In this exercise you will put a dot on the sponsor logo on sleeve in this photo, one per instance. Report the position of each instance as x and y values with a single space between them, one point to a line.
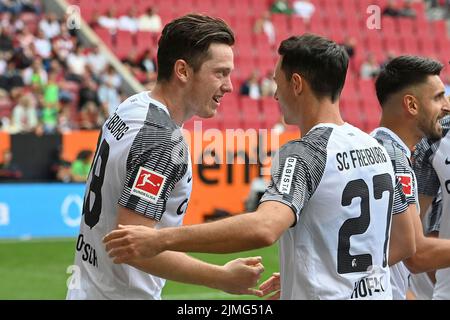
288 173
148 185
406 181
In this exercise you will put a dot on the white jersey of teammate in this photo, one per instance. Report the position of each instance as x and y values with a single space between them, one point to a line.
400 157
420 283
340 184
141 163
432 166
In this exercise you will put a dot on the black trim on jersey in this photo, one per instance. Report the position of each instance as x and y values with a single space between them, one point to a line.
311 155
401 164
153 148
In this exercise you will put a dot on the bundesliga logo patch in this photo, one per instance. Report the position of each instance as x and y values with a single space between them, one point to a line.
406 181
148 185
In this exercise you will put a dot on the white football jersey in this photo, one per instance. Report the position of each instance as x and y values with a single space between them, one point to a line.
340 184
400 157
142 163
421 284
432 166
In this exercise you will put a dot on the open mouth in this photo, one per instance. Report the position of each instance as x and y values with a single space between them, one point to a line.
217 99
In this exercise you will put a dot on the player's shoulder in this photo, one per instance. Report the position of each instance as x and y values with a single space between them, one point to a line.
393 147
315 140
153 114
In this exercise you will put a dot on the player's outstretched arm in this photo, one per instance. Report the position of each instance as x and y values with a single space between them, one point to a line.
237 276
431 253
238 233
402 244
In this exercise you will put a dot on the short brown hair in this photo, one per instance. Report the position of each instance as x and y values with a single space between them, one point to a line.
189 38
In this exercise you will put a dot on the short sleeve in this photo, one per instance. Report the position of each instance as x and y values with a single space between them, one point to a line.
426 175
297 170
158 159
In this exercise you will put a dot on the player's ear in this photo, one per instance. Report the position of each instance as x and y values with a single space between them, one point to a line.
181 70
410 104
297 83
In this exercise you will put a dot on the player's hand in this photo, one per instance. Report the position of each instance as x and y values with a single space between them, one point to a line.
271 285
131 242
241 275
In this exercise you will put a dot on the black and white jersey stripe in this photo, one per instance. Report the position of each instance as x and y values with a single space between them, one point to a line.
311 155
400 161
154 148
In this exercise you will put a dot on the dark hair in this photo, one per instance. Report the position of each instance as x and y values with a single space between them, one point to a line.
402 72
322 62
189 38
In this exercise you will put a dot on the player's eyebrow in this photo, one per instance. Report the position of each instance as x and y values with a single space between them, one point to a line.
440 94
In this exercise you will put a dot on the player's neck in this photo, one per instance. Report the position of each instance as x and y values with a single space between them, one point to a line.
168 96
403 129
323 111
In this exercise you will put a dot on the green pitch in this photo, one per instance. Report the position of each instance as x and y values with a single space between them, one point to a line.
37 269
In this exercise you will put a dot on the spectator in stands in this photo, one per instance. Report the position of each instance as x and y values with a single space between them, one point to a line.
250 87
51 89
49 117
96 60
108 91
281 6
129 22
349 45
90 117
150 21
65 118
11 78
63 44
369 68
407 10
6 44
264 24
11 23
109 21
61 168
88 92
81 166
9 171
42 46
147 63
25 37
24 116
391 9
35 76
304 9
76 62
50 26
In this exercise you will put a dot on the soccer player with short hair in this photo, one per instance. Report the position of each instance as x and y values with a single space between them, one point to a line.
141 174
330 200
412 98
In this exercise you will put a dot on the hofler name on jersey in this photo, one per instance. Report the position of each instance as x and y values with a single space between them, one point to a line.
361 158
117 126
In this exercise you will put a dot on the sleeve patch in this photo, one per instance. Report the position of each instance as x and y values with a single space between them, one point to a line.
406 181
148 185
288 174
